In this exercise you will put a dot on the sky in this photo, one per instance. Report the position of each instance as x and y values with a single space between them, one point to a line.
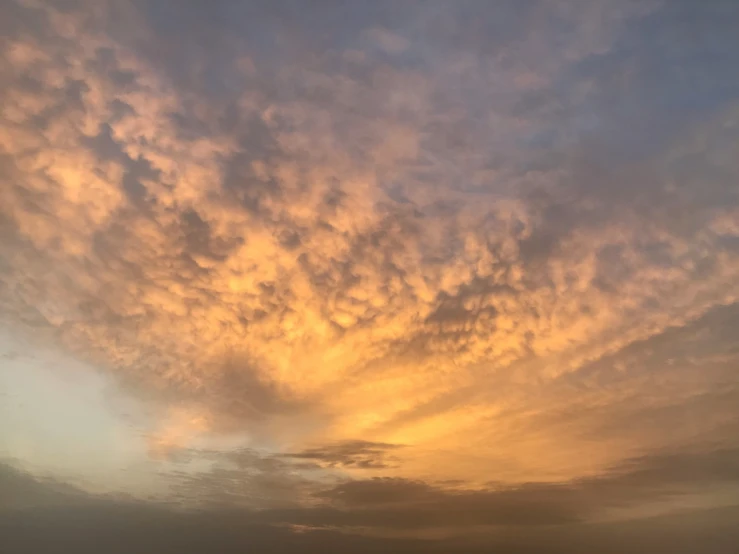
340 275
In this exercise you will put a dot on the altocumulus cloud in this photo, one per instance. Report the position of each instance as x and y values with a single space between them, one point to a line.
449 266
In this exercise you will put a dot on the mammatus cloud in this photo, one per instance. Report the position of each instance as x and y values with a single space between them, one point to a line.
414 265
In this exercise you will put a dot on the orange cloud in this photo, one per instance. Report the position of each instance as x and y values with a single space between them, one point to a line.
354 246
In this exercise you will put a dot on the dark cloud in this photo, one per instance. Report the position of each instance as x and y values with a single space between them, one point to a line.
200 240
399 503
21 491
151 531
127 528
123 526
386 504
136 171
350 454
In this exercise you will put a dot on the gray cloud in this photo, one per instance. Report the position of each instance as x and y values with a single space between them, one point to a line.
355 454
150 530
402 503
278 492
22 491
395 504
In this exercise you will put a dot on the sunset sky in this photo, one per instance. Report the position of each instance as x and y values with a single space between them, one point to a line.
369 276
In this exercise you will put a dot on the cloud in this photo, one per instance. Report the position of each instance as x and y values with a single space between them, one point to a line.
348 454
332 234
555 513
22 491
122 530
389 503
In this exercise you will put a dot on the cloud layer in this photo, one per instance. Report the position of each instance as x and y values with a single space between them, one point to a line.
426 251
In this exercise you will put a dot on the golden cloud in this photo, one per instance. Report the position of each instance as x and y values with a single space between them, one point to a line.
341 261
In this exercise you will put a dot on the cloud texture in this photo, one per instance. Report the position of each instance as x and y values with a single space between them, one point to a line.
417 253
